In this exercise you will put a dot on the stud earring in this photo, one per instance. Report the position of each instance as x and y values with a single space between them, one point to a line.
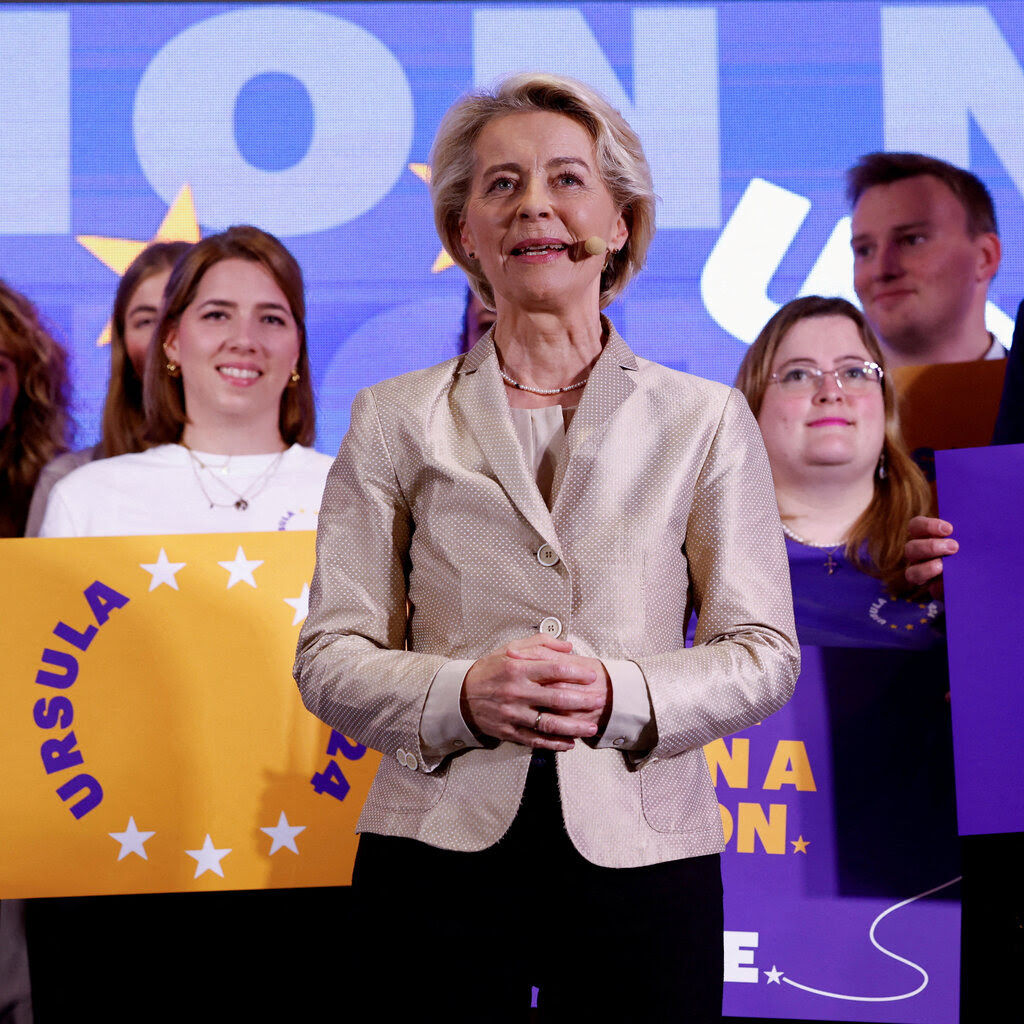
296 377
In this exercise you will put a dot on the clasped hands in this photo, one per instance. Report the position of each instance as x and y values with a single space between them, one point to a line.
536 692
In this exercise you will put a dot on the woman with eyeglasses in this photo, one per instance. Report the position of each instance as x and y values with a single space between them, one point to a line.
844 480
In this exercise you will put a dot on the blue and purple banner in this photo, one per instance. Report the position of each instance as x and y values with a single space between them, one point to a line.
841 871
981 492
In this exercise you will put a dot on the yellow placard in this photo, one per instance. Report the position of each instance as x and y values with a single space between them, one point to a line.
153 739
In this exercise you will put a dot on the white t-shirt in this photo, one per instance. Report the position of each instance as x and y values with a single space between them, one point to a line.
170 490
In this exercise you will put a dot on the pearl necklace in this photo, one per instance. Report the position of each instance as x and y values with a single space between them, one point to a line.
541 391
810 544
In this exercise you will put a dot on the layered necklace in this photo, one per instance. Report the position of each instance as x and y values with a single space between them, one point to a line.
216 475
831 548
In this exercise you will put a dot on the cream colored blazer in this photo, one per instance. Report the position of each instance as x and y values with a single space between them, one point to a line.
427 551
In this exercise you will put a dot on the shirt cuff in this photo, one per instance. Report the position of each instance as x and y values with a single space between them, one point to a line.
443 730
631 725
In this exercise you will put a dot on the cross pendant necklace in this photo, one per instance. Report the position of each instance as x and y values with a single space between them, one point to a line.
830 549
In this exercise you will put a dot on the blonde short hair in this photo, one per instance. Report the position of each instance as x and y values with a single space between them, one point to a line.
620 159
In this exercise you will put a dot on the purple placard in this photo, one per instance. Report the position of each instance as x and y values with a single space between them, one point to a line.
842 861
981 491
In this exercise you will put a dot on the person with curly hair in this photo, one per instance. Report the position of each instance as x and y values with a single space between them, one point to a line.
33 429
33 405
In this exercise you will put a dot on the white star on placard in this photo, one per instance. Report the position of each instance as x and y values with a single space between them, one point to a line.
208 859
162 571
241 569
773 975
132 840
283 835
300 604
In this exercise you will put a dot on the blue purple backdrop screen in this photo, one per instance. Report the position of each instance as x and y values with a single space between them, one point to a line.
305 119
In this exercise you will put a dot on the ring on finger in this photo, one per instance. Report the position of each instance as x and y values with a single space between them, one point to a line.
536 722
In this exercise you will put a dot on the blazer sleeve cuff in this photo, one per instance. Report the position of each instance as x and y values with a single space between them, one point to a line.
631 725
443 730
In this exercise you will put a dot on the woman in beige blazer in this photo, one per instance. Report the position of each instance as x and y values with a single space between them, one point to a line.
509 547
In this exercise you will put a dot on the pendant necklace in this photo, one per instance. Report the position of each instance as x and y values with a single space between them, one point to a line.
242 498
830 563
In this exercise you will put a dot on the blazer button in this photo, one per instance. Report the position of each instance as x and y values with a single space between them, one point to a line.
410 762
547 555
551 626
401 757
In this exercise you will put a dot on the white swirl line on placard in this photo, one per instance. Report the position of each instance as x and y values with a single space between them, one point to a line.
887 952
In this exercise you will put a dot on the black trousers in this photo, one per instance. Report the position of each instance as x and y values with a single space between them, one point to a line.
466 935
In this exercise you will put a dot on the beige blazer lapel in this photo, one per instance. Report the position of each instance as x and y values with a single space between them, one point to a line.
479 398
612 381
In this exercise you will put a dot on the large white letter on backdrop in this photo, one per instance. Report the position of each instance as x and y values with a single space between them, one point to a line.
941 67
675 88
362 118
35 123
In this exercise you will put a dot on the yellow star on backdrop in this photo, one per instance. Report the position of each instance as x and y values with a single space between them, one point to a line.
800 844
179 225
443 261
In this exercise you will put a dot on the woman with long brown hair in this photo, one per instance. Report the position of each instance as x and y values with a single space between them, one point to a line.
844 480
229 418
228 401
136 312
136 309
